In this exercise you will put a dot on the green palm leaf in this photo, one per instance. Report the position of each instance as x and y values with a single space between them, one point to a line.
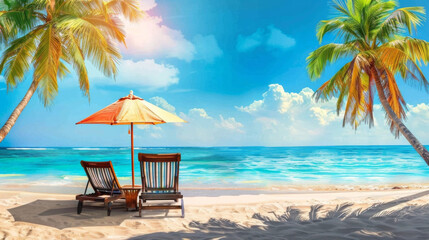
16 59
46 63
320 58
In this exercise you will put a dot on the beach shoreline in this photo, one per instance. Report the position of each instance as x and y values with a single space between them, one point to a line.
233 190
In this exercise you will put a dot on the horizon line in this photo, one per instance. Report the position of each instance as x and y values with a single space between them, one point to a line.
350 145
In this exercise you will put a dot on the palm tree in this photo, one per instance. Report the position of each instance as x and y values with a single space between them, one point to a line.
52 36
376 38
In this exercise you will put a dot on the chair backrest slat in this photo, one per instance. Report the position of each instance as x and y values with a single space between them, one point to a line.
102 176
160 172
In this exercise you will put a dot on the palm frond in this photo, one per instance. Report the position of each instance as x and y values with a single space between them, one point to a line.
77 59
46 63
22 15
394 98
326 54
7 30
16 59
127 8
113 28
392 57
404 55
411 71
78 7
62 70
356 102
416 49
401 19
338 84
340 26
93 42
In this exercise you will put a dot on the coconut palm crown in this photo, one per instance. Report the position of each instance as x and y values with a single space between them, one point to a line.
376 38
50 37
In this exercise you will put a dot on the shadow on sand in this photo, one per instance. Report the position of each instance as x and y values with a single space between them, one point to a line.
342 222
62 214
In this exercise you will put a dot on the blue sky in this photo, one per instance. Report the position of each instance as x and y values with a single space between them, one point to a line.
235 70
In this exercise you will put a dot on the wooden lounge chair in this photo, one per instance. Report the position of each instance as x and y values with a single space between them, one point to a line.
160 180
104 182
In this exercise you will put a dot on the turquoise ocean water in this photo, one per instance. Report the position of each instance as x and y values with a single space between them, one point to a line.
226 166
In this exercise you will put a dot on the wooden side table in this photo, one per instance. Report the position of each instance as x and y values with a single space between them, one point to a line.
131 195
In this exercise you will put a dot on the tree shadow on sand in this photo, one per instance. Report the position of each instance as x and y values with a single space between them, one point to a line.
343 222
62 214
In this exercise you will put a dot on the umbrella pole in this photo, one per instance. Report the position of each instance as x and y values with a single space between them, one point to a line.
132 152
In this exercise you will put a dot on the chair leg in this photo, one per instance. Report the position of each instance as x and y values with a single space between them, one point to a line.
109 208
183 208
79 206
140 207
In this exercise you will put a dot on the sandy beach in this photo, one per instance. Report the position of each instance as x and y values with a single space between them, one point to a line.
390 214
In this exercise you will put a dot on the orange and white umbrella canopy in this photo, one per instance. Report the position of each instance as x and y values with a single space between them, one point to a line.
131 110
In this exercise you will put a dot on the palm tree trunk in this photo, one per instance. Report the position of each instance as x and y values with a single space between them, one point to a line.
398 123
15 114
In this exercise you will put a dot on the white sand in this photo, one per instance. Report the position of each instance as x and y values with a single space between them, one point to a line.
399 214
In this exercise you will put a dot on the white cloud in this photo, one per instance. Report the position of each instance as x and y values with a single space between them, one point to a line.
149 127
230 124
150 38
247 43
147 5
325 116
270 37
206 48
201 130
277 39
200 112
419 110
142 127
162 103
276 99
269 124
204 130
144 74
287 118
418 117
153 131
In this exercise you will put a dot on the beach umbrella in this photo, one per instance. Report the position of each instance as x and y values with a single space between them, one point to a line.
131 110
